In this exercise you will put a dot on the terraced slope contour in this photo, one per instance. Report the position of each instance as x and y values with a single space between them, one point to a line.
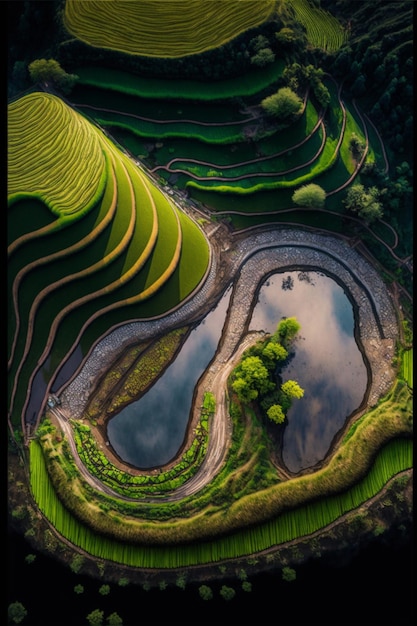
163 29
74 278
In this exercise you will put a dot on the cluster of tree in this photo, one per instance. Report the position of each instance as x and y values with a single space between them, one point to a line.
287 104
257 376
364 201
33 30
50 71
396 196
262 52
300 77
377 64
96 618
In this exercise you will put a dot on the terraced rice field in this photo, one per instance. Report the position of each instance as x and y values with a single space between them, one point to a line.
35 147
131 244
322 29
233 156
163 29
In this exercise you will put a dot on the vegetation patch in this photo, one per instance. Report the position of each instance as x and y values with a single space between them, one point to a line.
171 29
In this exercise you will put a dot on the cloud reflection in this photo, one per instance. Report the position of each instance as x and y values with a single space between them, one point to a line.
327 363
149 432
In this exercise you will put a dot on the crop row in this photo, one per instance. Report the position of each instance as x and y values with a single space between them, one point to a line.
323 29
407 367
42 135
128 256
293 524
169 29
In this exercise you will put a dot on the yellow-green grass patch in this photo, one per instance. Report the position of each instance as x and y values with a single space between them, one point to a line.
54 154
323 29
163 29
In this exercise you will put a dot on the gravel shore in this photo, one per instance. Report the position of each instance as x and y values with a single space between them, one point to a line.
249 260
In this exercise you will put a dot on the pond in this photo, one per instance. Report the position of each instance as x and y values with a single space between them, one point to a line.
149 433
327 362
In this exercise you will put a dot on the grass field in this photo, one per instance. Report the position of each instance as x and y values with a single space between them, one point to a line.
163 29
93 242
132 245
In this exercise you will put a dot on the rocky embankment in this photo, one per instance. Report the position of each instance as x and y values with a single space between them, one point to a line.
246 262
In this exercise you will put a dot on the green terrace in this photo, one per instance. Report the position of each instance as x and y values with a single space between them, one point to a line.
243 517
132 245
169 29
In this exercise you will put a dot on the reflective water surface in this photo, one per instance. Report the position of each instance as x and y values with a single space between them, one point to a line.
327 362
149 433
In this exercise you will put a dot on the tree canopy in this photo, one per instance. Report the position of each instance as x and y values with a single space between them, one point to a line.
49 70
310 195
16 612
365 202
284 104
287 330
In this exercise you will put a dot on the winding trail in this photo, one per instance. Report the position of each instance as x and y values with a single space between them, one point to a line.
252 258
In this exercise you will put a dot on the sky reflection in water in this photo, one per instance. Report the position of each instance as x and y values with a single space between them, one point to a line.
149 432
327 363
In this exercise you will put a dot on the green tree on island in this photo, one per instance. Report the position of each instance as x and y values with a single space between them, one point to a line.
287 330
255 377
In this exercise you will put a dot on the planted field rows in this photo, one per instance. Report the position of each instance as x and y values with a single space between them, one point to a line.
42 133
163 29
407 367
392 459
230 157
58 289
323 29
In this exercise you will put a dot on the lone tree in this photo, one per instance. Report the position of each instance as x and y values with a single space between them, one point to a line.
205 592
95 618
16 612
311 195
50 71
364 202
284 104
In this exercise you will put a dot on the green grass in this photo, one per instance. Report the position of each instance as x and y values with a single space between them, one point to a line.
135 244
407 367
110 80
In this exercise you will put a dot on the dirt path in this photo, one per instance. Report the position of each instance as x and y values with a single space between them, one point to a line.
250 259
